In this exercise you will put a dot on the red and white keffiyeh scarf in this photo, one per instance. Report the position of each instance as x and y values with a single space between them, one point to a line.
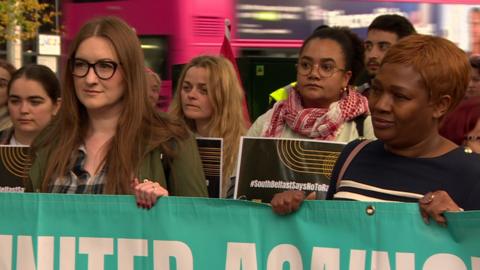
314 123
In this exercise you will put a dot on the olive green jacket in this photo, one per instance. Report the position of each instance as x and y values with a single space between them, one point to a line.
185 171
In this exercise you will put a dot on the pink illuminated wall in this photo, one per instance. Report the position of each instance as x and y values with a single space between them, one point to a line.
161 17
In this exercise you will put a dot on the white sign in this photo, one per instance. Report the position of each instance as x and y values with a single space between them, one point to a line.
49 44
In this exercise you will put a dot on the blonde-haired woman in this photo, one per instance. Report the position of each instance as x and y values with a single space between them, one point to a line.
209 99
107 135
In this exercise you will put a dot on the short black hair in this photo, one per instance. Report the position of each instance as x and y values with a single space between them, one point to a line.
393 23
475 62
321 27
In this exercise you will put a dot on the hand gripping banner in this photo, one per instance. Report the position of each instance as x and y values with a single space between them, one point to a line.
67 232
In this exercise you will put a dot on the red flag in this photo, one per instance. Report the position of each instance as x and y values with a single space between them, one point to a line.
227 52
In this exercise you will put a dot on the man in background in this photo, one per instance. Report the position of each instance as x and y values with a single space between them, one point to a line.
383 32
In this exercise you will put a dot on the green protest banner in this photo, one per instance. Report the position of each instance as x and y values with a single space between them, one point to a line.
47 231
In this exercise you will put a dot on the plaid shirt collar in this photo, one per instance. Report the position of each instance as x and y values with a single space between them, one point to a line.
78 180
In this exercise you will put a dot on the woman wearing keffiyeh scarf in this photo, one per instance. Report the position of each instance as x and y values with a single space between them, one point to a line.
321 105
315 123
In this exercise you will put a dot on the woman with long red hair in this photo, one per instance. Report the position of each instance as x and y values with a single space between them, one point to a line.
107 138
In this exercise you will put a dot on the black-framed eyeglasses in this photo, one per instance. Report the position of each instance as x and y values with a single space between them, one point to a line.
104 69
325 69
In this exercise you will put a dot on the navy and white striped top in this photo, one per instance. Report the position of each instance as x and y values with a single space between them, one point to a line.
378 175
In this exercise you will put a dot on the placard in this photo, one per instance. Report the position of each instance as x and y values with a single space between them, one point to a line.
211 153
272 165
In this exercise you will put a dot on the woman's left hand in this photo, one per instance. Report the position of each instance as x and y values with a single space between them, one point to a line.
147 192
434 204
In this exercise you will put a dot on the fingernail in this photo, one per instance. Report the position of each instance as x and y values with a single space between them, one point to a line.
425 220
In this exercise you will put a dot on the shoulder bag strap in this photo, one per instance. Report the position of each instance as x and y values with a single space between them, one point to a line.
349 159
